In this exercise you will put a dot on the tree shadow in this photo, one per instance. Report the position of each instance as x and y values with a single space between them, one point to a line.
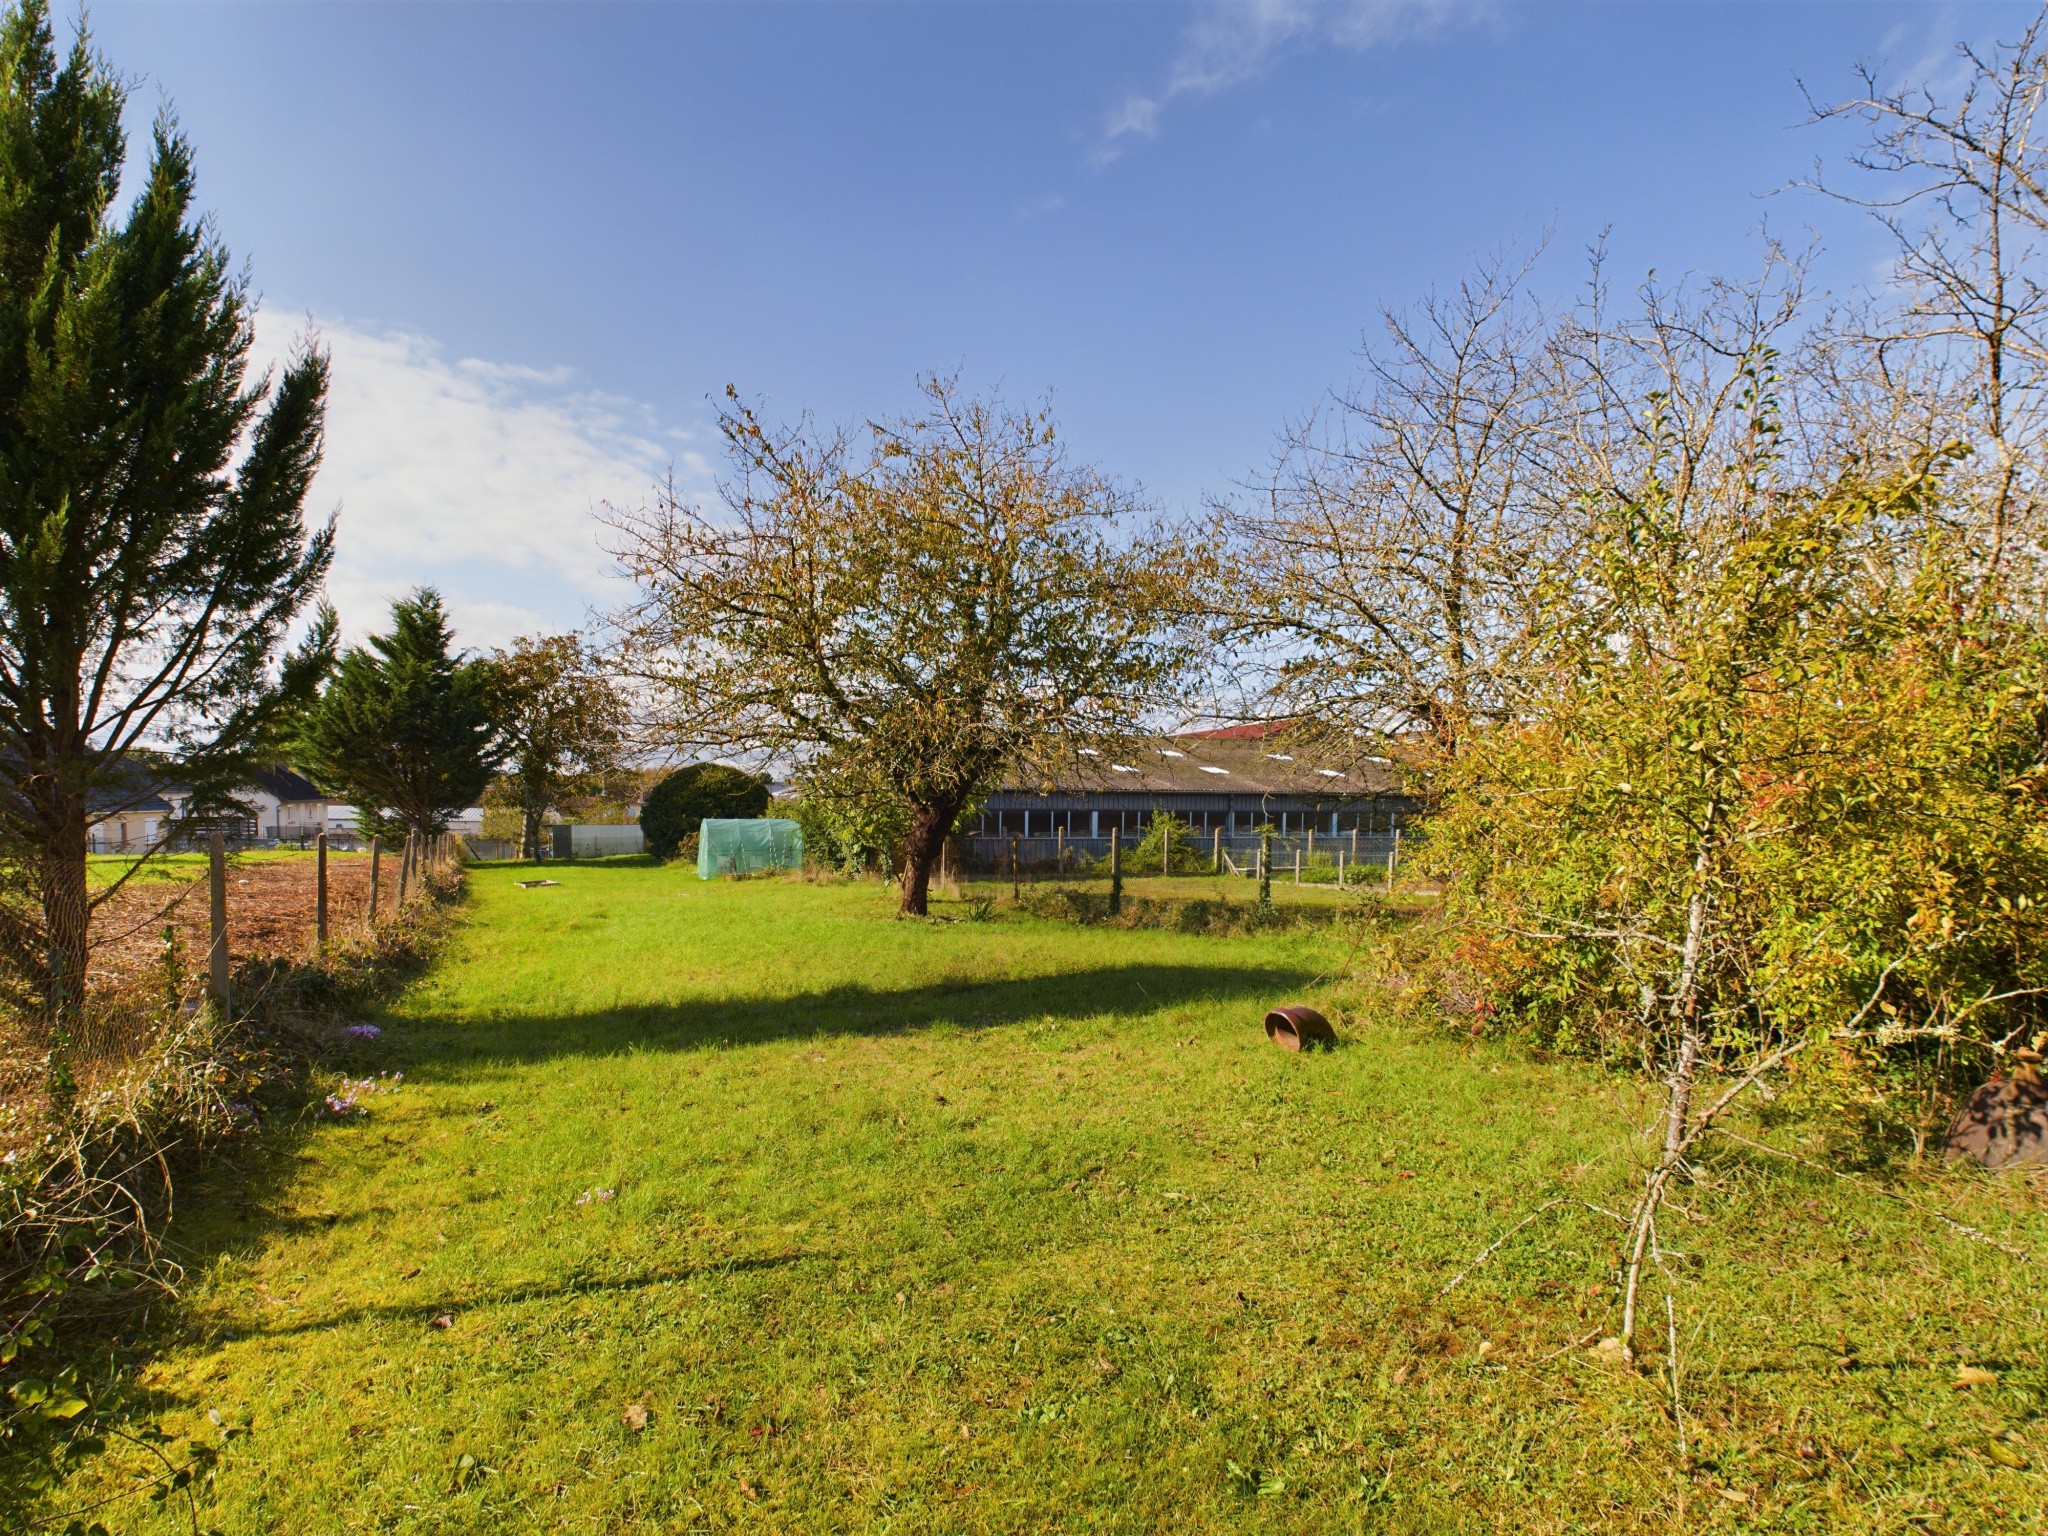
454 1307
428 1047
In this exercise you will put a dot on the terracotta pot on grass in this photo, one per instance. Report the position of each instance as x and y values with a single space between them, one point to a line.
1296 1028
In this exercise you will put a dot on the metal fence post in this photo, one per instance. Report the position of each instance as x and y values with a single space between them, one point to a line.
1216 858
1116 870
1393 858
1340 869
217 925
1016 879
376 859
320 891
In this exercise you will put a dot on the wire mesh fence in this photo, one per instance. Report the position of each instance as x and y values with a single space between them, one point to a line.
1315 859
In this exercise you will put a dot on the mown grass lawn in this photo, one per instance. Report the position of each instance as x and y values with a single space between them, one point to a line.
721 1206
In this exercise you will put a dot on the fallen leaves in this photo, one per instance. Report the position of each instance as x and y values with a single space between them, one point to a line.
1969 1377
636 1417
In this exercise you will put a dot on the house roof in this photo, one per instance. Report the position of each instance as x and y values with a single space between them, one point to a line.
133 788
285 786
1219 763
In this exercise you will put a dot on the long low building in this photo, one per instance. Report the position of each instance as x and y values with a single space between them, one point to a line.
1232 782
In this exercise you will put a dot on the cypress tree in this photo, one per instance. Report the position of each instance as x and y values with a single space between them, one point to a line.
153 550
405 731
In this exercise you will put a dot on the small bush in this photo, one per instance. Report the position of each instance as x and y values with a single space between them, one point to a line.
678 805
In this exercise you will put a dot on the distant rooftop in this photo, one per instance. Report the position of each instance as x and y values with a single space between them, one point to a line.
1236 760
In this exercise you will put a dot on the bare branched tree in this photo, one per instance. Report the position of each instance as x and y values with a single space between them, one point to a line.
1960 180
1382 579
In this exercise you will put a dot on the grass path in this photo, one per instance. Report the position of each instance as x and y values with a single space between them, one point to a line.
1016 1226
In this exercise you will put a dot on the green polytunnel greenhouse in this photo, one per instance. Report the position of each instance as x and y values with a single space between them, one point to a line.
731 846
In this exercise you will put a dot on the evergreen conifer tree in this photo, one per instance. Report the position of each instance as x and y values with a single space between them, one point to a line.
153 550
405 731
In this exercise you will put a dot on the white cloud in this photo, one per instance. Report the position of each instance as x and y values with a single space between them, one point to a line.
1232 41
479 478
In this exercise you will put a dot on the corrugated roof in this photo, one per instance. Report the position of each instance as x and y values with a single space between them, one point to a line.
1206 763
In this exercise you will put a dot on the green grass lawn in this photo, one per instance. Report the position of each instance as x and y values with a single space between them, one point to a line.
1018 1226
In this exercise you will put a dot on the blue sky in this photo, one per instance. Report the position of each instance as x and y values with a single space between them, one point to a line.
538 237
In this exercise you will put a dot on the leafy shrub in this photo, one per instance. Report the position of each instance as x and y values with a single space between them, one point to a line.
1192 851
679 804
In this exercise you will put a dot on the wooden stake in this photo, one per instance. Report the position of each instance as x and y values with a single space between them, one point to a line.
1116 870
376 860
1218 856
217 936
320 891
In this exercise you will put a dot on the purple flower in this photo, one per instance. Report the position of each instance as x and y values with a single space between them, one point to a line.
362 1031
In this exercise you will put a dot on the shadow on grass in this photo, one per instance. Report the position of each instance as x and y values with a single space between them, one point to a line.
1124 991
456 1307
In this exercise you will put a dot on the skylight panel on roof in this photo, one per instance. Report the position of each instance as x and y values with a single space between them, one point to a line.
1087 751
1210 768
1329 773
1280 757
1123 767
1169 752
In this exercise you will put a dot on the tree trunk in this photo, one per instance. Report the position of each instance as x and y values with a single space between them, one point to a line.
529 836
1685 1004
930 825
66 912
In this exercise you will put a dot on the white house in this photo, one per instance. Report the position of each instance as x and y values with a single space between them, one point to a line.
282 806
134 828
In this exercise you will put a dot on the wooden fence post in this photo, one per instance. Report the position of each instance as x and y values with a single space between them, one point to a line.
1059 838
1116 870
1165 847
1297 866
1016 880
1216 858
1266 866
1393 858
320 892
405 870
1340 869
217 925
376 858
